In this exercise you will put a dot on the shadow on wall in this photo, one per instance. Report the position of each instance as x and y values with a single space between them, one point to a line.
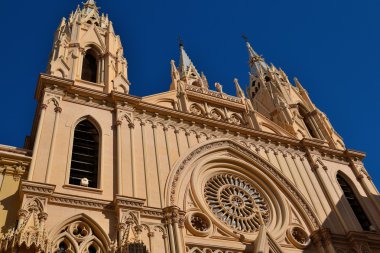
10 206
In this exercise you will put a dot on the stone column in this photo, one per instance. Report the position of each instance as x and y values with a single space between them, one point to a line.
131 134
174 218
119 154
37 141
58 111
21 217
317 241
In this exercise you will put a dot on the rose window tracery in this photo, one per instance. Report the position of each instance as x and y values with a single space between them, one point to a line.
236 202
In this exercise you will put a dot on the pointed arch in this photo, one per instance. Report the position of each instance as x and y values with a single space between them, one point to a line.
350 194
308 122
35 202
238 157
100 236
85 154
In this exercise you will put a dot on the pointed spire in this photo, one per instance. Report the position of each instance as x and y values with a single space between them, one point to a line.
299 86
256 62
184 59
89 6
62 24
204 79
175 74
239 91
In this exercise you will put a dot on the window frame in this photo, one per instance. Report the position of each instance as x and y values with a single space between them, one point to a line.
354 190
67 184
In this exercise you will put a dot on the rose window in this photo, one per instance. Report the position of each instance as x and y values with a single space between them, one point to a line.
236 202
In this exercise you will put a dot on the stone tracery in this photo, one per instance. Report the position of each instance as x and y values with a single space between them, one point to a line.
236 202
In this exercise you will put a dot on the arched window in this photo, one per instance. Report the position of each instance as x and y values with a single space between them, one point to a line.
306 119
90 67
354 203
85 155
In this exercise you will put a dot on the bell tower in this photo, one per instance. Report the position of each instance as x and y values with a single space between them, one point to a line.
287 105
87 51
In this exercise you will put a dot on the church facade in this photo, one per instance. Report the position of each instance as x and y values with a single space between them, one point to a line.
190 170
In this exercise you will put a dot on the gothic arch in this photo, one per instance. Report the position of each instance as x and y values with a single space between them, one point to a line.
94 46
98 127
367 221
211 150
98 235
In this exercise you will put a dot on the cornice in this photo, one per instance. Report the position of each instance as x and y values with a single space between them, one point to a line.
115 99
15 153
83 202
128 202
36 188
215 100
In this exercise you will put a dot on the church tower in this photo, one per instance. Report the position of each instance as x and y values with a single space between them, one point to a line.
289 106
190 170
87 51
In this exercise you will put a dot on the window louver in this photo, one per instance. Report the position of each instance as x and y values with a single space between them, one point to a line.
84 160
354 203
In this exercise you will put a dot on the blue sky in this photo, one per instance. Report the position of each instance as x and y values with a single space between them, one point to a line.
331 46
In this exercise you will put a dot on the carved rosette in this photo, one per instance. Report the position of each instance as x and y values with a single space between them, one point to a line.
198 223
298 237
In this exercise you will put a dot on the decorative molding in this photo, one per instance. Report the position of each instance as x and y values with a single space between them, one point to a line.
35 188
128 202
84 202
237 148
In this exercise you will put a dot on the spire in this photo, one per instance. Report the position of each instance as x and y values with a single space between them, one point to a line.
184 60
256 62
298 84
239 91
89 6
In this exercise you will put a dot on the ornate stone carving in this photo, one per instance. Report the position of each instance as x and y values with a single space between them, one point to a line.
236 203
259 161
298 237
195 109
198 223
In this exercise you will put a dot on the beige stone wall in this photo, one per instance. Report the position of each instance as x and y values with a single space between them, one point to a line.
153 145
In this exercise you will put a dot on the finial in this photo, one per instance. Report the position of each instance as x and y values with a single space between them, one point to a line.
245 38
180 41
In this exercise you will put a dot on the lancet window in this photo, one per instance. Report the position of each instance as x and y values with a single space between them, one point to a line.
354 203
308 122
85 155
90 66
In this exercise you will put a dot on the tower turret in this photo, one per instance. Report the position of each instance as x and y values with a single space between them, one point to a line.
87 51
287 105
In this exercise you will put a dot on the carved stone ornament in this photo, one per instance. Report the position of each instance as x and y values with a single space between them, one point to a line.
257 160
194 109
298 237
216 115
198 223
235 120
236 202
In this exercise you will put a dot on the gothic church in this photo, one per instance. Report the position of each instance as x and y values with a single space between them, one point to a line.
190 170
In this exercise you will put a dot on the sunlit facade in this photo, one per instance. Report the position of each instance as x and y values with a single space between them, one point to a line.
190 170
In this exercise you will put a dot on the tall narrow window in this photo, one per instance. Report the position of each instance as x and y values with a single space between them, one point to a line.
354 203
306 119
90 67
85 155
